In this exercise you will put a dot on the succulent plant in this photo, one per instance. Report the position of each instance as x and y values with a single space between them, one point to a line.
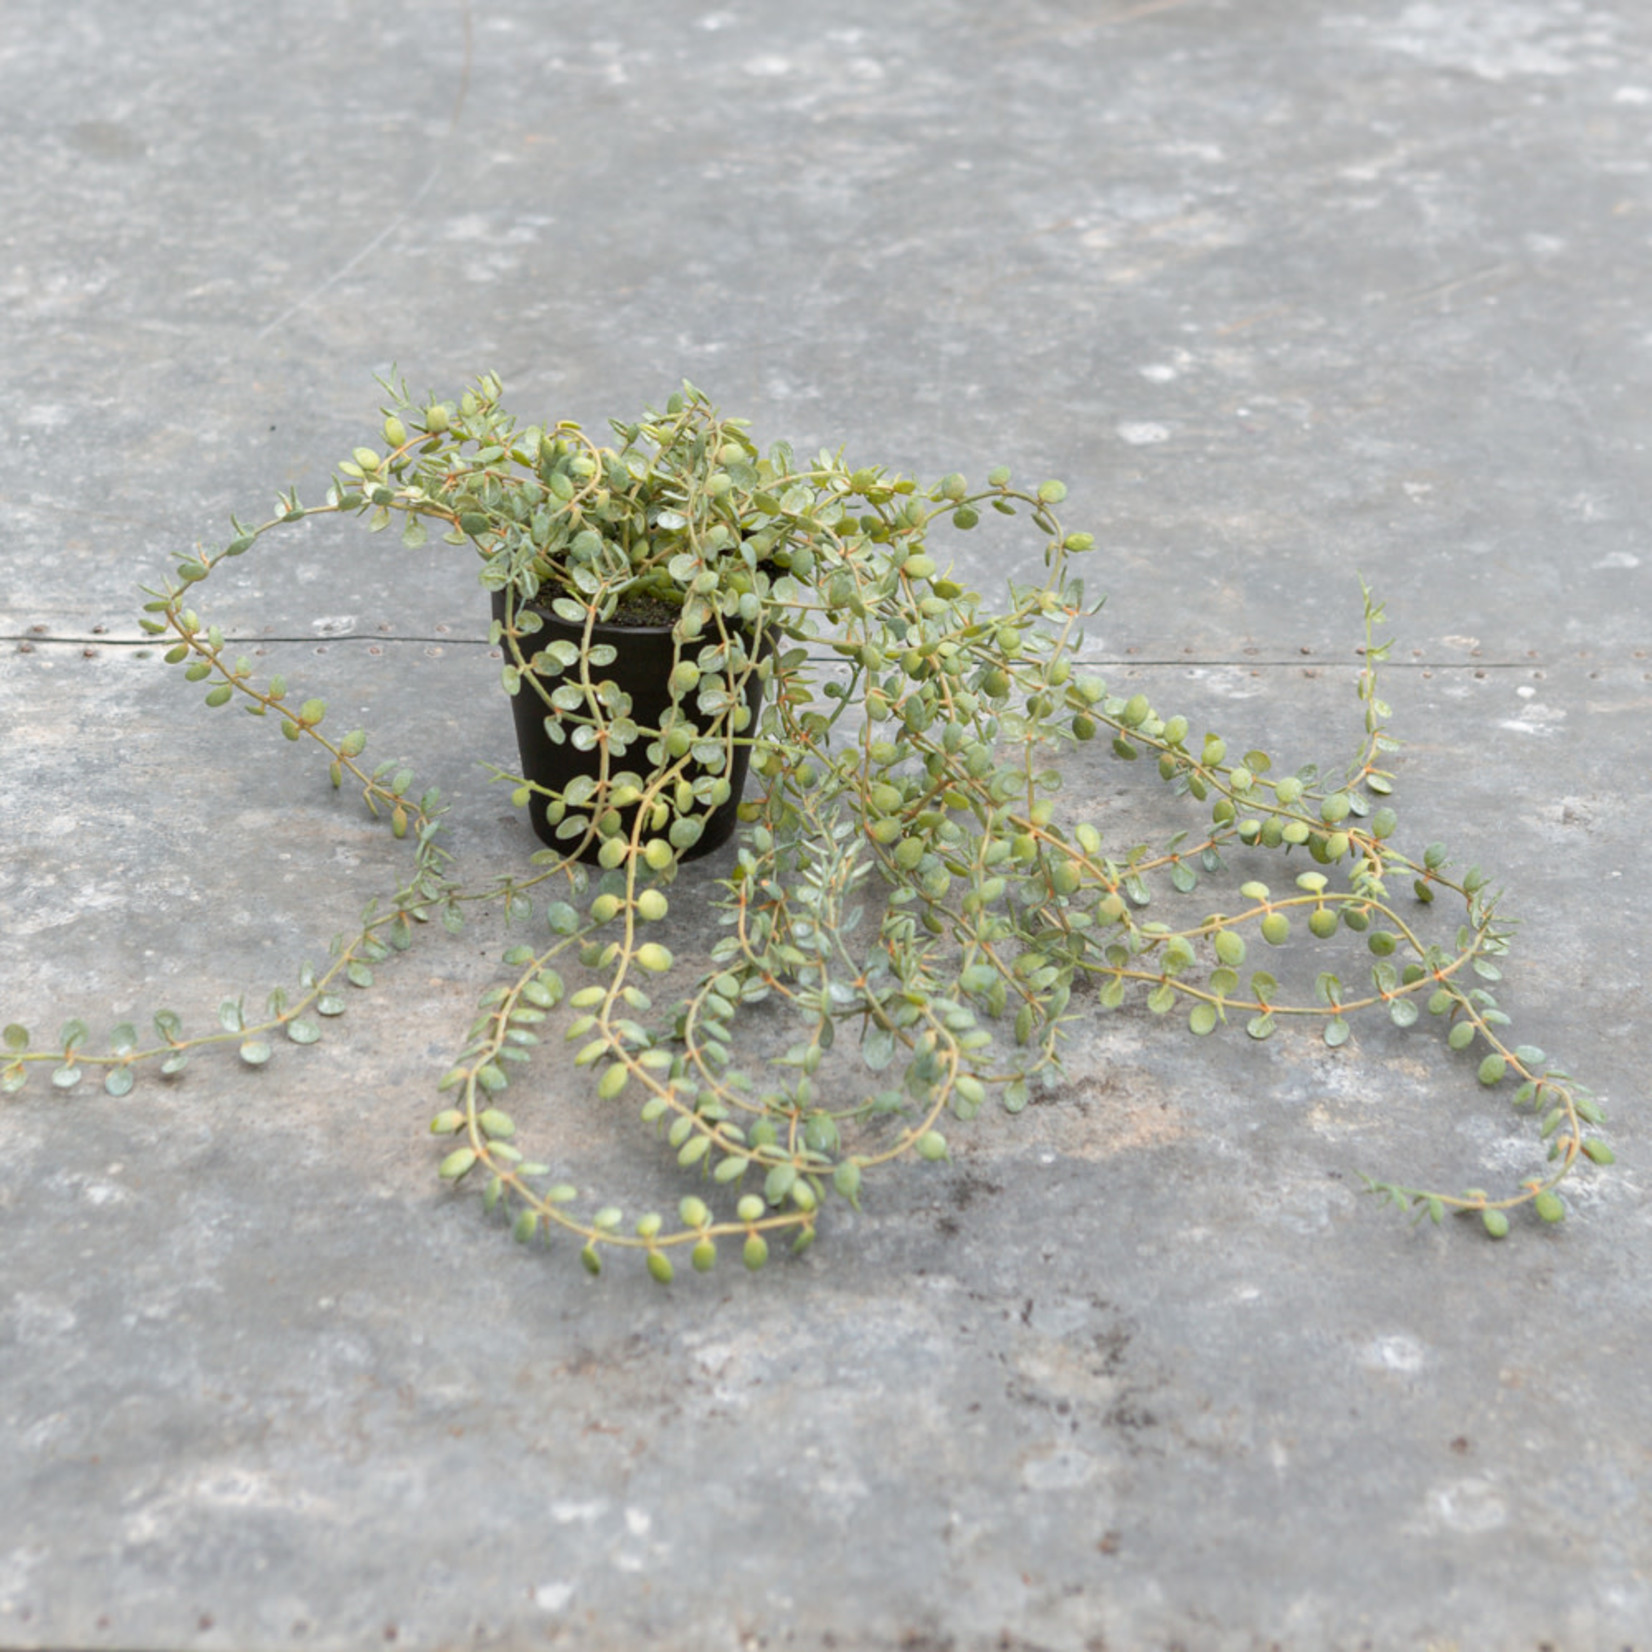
905 879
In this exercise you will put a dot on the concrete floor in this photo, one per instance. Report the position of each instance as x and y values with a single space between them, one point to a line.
1287 291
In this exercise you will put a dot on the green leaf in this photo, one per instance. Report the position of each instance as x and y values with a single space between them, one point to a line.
877 1049
16 1037
255 1052
118 1081
1337 1032
456 1164
1202 1019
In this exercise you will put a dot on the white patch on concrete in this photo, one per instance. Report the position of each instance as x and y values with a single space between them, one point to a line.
222 1488
1143 434
1619 559
333 625
1160 372
1469 1505
1633 94
1062 1468
1535 718
552 1597
471 226
1492 39
638 1521
40 1319
15 1568
566 1513
1397 1353
769 66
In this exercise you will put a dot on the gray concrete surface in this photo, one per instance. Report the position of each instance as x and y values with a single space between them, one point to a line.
1285 290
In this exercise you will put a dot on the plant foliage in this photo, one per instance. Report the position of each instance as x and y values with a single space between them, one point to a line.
904 880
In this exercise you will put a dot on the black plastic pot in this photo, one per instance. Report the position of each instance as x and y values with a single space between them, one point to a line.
642 669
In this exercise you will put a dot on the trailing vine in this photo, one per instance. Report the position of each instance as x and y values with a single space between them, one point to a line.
903 878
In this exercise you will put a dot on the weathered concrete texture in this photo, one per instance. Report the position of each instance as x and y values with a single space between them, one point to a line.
1287 292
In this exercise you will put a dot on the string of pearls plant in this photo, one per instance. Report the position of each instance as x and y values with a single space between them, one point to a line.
903 878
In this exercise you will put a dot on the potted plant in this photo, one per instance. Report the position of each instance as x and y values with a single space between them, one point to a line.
903 880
